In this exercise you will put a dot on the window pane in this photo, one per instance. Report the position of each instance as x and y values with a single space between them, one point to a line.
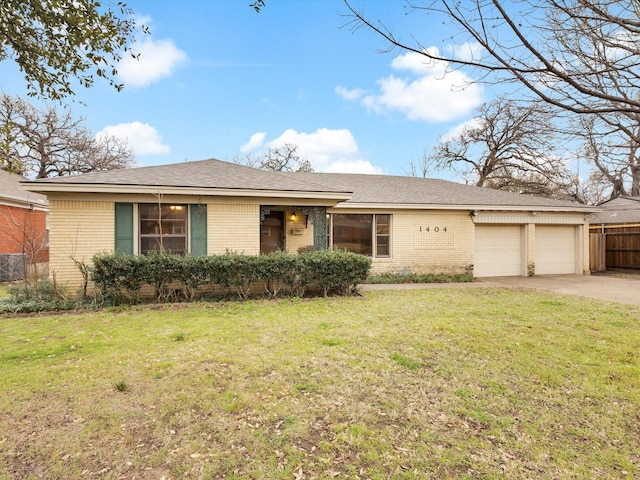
163 228
382 224
353 233
383 231
382 246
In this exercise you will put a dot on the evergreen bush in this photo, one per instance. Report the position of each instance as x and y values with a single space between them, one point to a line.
119 278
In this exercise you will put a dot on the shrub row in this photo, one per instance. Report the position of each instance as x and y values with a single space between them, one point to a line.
392 278
120 278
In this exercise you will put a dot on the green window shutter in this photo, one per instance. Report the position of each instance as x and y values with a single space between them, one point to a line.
124 228
198 226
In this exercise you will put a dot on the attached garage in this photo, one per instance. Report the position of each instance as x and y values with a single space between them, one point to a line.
556 251
499 251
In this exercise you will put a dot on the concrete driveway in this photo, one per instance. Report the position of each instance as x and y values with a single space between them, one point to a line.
612 287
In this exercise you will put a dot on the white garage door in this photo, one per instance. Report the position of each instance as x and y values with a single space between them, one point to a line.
498 251
555 249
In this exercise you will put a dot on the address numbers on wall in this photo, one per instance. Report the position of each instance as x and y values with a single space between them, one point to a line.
436 229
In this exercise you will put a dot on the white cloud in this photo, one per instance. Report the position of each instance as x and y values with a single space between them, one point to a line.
467 51
460 128
328 150
420 64
157 60
353 166
255 142
432 92
347 94
142 138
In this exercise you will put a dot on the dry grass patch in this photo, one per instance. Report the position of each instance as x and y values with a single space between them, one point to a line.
445 383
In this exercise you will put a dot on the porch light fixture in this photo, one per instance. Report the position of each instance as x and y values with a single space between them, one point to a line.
293 217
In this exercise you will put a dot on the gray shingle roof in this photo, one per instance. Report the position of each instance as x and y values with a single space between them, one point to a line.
427 191
367 189
210 173
11 190
619 210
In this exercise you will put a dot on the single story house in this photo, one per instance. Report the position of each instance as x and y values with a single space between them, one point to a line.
615 234
405 224
23 228
619 212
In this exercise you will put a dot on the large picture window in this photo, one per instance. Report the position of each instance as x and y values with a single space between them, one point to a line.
366 234
163 228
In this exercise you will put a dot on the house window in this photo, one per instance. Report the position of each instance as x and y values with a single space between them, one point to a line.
366 234
383 235
163 228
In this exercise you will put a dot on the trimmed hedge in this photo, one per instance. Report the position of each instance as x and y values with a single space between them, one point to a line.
393 278
119 277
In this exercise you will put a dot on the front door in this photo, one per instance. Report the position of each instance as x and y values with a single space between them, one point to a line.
272 232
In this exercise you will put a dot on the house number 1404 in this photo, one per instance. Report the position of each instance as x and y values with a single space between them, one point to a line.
433 229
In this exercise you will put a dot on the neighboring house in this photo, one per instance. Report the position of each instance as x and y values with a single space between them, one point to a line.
405 224
615 234
616 213
23 229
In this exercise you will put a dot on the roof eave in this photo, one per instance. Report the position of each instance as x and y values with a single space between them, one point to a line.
44 188
22 201
434 206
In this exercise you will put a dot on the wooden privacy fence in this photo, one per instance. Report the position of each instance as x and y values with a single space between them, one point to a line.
617 247
597 252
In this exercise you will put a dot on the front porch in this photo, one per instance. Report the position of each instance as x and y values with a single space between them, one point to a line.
288 228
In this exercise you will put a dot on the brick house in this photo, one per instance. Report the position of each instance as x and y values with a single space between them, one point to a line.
23 229
405 224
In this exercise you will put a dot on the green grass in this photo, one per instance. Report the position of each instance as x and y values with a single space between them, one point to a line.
444 383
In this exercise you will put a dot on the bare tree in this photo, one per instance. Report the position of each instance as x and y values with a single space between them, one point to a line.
579 55
277 159
246 158
51 142
611 144
285 159
508 146
424 167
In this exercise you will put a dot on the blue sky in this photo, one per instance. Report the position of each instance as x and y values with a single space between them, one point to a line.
218 80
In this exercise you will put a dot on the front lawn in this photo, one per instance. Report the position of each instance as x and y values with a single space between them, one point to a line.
474 383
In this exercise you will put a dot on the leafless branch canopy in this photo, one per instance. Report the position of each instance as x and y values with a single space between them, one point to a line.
510 147
277 159
582 56
51 142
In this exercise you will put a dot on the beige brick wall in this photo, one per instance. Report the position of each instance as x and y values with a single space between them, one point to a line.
302 238
234 227
429 242
78 230
530 231
584 231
